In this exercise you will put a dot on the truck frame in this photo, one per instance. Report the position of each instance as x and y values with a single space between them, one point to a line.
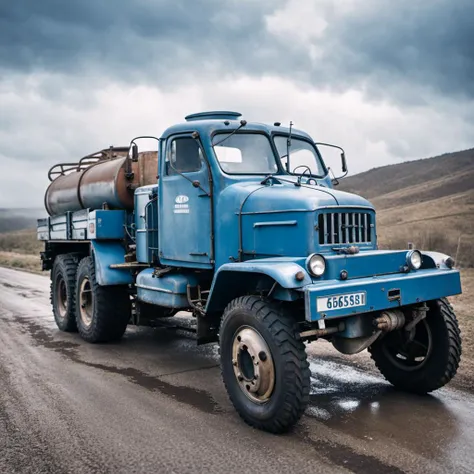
242 227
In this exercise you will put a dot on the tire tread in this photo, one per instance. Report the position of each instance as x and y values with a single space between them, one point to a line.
439 376
296 373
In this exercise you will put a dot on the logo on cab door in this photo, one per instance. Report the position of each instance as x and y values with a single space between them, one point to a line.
181 199
181 205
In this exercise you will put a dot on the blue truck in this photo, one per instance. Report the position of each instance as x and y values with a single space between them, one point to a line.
240 225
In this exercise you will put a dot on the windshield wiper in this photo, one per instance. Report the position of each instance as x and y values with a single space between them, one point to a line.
242 124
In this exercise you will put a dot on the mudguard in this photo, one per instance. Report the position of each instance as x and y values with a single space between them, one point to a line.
232 276
106 254
434 260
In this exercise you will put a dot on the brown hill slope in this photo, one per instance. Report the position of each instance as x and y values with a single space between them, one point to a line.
429 202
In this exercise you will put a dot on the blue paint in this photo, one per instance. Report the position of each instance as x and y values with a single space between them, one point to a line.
106 225
239 234
185 212
282 270
146 222
169 291
106 254
415 287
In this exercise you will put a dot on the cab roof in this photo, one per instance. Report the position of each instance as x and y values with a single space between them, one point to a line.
207 123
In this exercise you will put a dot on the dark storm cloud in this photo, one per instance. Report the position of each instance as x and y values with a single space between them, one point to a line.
159 41
427 43
381 47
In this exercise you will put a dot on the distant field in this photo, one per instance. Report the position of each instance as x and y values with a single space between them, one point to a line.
20 250
19 219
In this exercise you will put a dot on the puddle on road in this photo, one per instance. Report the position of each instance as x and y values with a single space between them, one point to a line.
24 292
365 406
197 398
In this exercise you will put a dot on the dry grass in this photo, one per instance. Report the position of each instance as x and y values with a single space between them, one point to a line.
20 261
23 241
21 250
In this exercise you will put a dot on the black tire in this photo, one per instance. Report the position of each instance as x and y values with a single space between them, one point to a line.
289 396
102 312
63 281
442 361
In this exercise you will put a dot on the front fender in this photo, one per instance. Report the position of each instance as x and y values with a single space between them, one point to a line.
236 279
434 260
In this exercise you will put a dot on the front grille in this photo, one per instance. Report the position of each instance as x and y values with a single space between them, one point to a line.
345 228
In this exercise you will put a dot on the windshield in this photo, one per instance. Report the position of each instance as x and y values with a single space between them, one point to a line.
302 156
244 153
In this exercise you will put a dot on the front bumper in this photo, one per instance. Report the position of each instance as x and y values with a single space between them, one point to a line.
411 288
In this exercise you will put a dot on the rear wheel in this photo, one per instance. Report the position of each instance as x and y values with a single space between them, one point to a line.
264 365
102 312
63 278
427 358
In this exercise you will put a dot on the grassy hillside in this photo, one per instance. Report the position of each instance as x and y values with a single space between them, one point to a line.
18 245
428 202
18 219
21 250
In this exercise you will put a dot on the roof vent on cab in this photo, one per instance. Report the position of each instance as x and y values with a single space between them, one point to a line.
213 115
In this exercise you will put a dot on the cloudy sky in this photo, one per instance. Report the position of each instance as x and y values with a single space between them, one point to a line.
388 80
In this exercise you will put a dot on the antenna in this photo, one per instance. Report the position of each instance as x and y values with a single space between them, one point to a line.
288 145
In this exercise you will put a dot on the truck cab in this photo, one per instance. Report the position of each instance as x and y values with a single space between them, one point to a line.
244 229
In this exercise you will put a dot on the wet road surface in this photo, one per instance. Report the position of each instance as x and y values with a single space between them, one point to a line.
154 402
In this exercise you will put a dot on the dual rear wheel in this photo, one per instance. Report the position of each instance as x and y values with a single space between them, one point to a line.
99 313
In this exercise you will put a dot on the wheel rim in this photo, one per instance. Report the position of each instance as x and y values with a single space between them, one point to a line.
410 351
61 297
253 365
85 302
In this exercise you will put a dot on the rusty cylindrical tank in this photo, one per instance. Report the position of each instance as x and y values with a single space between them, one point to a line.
108 179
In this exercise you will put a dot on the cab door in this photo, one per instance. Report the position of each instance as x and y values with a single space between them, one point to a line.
185 204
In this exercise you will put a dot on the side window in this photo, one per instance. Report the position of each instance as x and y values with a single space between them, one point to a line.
183 155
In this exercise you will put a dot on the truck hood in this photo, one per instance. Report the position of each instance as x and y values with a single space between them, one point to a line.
253 197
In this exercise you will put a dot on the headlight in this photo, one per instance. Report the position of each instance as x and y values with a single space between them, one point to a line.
316 265
414 259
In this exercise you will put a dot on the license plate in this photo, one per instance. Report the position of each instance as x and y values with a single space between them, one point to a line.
350 300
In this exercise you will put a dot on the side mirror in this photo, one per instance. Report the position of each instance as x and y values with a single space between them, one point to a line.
344 162
134 152
328 159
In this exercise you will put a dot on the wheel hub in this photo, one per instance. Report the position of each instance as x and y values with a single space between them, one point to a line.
410 350
85 302
61 297
253 365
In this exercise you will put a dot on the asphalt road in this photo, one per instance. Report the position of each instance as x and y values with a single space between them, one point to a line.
154 402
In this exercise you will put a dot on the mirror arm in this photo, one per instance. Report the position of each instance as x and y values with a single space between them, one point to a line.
343 158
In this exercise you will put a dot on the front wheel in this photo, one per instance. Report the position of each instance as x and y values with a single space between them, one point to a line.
264 365
102 312
426 359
